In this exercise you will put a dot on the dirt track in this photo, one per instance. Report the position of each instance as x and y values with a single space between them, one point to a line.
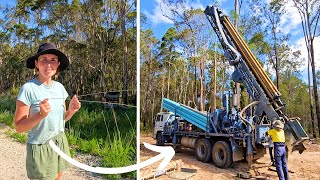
304 166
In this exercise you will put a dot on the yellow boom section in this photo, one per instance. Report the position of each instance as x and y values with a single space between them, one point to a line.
255 67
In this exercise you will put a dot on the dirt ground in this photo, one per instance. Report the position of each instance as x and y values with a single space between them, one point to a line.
304 166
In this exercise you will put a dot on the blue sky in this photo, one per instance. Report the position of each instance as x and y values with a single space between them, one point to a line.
2 2
153 9
290 24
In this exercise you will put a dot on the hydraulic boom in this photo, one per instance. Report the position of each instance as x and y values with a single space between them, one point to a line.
249 72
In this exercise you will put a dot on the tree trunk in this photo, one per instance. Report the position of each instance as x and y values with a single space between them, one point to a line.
315 87
185 83
195 95
168 86
145 104
102 84
162 93
153 104
201 83
125 52
311 104
186 86
214 92
237 10
276 56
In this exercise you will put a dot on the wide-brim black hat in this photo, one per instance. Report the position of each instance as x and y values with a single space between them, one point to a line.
49 48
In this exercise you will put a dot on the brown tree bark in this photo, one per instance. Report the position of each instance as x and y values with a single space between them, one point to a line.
122 12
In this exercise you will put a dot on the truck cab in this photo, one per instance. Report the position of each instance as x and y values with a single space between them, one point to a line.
162 120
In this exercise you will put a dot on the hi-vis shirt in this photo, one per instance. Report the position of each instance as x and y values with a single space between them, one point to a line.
31 94
277 136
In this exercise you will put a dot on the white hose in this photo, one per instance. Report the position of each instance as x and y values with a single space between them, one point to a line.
224 36
244 109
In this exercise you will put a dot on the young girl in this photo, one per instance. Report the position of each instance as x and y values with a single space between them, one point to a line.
41 110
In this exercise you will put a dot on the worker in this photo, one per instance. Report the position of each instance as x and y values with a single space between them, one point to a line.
270 151
278 138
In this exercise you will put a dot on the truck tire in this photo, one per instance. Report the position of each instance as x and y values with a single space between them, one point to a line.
203 150
160 140
222 154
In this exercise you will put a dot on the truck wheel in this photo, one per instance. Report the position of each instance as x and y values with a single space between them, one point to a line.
203 150
222 154
160 141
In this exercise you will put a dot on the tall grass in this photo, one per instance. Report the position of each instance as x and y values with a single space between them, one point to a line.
7 108
7 104
7 118
110 134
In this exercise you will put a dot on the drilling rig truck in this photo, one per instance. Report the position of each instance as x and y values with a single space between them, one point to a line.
229 134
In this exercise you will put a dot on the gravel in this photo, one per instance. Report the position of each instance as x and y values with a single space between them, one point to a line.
13 155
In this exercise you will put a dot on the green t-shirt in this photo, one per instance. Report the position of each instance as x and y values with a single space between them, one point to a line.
31 94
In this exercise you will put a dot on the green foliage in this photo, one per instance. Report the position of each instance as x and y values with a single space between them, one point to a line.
14 92
7 118
20 137
90 146
73 137
109 134
7 104
72 152
118 153
295 94
87 31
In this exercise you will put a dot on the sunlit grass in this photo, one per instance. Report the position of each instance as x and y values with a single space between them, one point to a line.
20 137
110 134
7 118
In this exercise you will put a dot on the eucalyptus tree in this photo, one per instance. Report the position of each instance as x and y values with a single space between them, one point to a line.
168 54
194 32
309 11
271 14
121 13
89 32
149 81
237 6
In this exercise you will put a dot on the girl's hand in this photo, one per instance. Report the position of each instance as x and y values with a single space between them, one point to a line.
74 104
44 107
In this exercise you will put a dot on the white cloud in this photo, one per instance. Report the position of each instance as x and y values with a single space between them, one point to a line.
300 45
196 5
161 9
291 19
156 17
290 23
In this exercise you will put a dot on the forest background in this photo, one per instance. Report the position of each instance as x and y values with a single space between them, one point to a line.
181 56
99 37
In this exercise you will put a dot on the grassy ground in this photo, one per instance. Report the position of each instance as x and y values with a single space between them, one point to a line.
107 133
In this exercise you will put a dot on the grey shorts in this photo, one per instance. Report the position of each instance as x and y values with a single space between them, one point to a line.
43 162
